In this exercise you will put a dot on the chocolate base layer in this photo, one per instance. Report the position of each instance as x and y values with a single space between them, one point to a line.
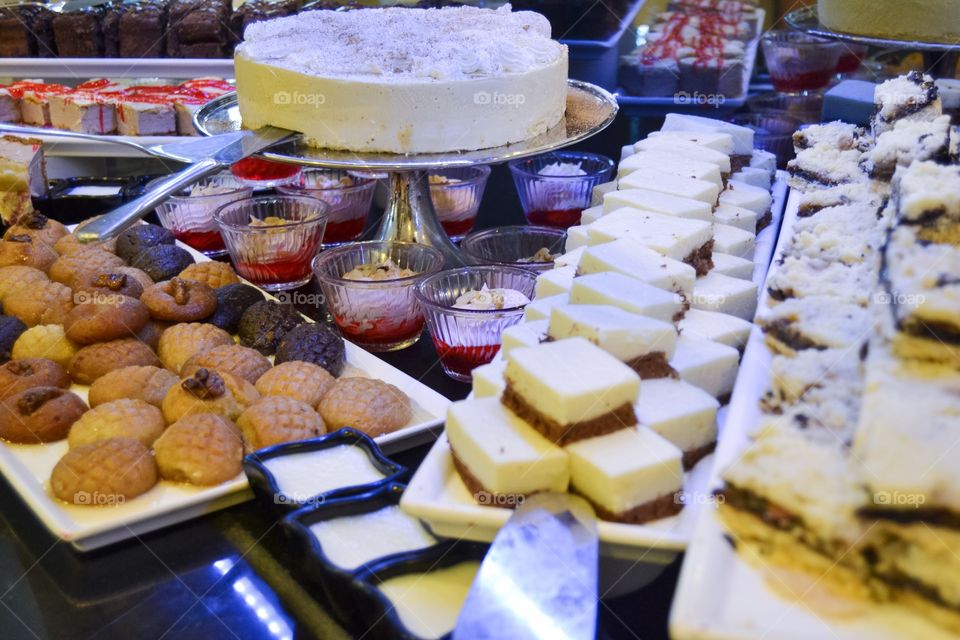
764 221
662 507
701 259
938 516
738 162
653 365
813 178
946 332
782 332
622 417
476 488
693 456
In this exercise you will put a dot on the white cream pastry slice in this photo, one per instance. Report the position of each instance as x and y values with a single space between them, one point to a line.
488 379
539 308
524 334
734 241
631 259
740 194
631 295
722 142
686 186
658 203
626 151
494 451
571 389
631 476
732 266
592 214
753 176
570 258
686 149
555 282
736 217
601 190
710 366
681 413
577 236
764 160
670 163
716 327
717 292
638 341
742 136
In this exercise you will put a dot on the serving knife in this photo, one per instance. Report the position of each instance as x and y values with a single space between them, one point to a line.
539 579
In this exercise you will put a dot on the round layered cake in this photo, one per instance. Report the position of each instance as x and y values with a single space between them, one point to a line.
920 20
404 80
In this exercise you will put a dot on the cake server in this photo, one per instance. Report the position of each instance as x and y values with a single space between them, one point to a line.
539 579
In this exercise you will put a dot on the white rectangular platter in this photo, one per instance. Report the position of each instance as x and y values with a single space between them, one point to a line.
28 468
720 596
438 496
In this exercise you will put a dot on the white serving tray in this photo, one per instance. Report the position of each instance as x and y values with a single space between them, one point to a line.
28 468
88 68
438 496
720 596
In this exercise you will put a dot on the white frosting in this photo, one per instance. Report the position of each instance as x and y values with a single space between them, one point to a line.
487 299
562 169
351 541
302 476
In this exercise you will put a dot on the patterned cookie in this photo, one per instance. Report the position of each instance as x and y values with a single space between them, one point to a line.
40 303
40 414
182 341
276 420
67 269
96 360
301 381
203 449
45 341
104 473
106 317
126 418
22 250
27 373
368 405
17 277
208 392
39 227
103 285
69 244
180 300
242 362
213 274
149 384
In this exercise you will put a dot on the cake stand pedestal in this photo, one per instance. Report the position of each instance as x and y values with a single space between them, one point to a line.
410 216
939 59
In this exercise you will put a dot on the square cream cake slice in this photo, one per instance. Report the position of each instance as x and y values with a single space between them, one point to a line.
717 292
740 194
734 241
570 258
681 413
685 149
658 203
524 334
666 182
554 282
577 237
495 452
631 476
732 266
711 366
670 163
682 239
593 213
631 259
539 308
571 389
487 379
722 142
629 294
736 217
716 327
640 342
600 190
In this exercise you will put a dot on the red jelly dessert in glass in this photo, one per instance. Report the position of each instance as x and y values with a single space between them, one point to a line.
264 172
560 218
462 360
202 241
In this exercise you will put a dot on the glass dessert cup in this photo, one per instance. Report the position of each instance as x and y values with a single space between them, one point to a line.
189 213
348 195
514 246
273 240
558 200
264 174
456 194
799 62
378 315
467 338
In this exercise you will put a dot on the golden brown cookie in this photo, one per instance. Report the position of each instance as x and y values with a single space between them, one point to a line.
40 303
242 362
208 391
303 381
125 418
151 332
105 317
212 273
180 300
149 384
39 227
27 373
40 414
95 360
276 420
203 449
45 341
69 244
139 275
70 268
371 406
105 473
106 284
182 341
22 250
17 277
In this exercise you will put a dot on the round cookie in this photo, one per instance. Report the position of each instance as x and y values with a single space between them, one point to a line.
181 342
95 360
18 277
212 273
22 250
149 384
163 262
316 343
277 420
106 284
242 362
39 227
141 237
208 392
41 303
371 406
203 449
68 269
264 324
20 375
301 381
152 331
40 414
10 331
125 418
179 300
232 301
45 341
105 318
70 244
105 473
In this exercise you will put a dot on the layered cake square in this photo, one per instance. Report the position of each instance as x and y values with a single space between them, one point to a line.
732 266
816 322
717 292
675 164
681 413
717 327
913 96
734 241
554 282
525 334
657 202
631 259
710 366
631 295
684 183
487 379
539 308
736 216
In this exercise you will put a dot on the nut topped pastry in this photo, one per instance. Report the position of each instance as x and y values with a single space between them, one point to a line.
39 414
113 282
208 391
68 268
39 227
20 375
180 300
22 250
241 361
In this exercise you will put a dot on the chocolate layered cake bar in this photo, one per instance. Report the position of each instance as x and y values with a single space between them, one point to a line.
807 375
734 241
842 194
849 234
802 277
524 334
927 195
754 176
644 344
909 141
722 142
710 366
500 458
913 96
717 292
834 135
827 415
674 179
712 76
657 202
79 33
26 31
644 73
198 29
734 216
819 167
673 163
570 390
632 259
136 29
815 322
682 414
631 476
258 11
747 196
742 136
631 295
672 146
722 328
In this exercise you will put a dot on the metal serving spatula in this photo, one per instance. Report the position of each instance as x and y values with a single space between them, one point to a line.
539 579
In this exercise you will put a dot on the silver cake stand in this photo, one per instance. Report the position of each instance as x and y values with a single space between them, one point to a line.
410 215
939 59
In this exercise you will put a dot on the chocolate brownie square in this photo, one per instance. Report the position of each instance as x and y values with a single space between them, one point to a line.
258 10
142 29
78 34
198 29
26 31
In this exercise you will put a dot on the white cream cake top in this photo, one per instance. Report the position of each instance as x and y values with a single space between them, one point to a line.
399 44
